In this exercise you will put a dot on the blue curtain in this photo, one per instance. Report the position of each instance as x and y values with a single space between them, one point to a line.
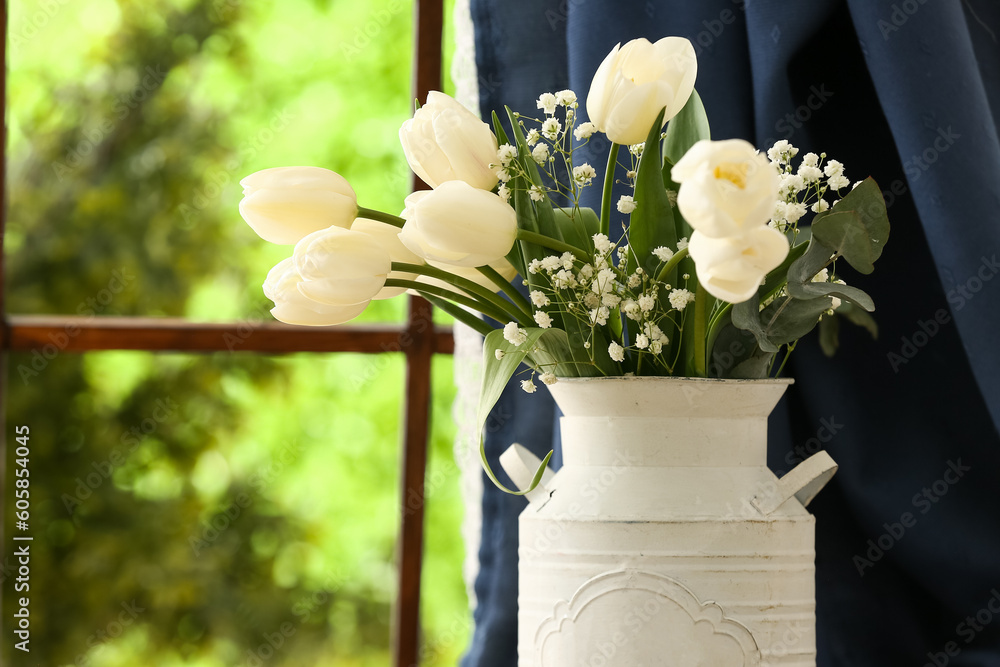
908 533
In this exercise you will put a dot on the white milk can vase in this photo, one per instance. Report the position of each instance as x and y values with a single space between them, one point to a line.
664 539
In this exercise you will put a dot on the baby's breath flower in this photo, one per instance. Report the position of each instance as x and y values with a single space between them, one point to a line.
567 260
533 137
838 181
794 211
584 174
534 266
600 315
548 378
536 193
587 271
610 300
504 192
540 153
642 341
565 97
503 175
539 299
820 206
632 310
601 243
591 300
547 102
543 319
506 153
680 298
634 280
833 168
683 243
584 131
551 128
790 184
616 351
626 204
656 347
528 386
498 354
514 334
647 302
809 174
663 253
550 263
810 159
636 149
630 174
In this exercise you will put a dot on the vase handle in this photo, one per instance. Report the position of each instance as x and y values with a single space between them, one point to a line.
804 481
521 465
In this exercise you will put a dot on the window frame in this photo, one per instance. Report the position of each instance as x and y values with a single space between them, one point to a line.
419 339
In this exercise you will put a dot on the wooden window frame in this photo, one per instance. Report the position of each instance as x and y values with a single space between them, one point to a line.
418 339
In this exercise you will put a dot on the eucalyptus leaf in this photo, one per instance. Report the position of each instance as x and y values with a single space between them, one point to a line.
845 234
746 316
829 335
817 257
788 319
855 315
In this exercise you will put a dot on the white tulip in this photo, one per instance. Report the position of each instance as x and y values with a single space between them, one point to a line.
458 225
340 267
284 204
727 187
292 307
732 268
444 141
387 236
636 81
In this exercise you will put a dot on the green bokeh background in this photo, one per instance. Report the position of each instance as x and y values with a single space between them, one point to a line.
239 501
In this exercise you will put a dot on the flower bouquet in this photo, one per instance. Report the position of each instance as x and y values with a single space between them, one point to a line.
705 269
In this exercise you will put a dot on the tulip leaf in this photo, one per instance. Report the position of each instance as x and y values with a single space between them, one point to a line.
497 373
651 224
687 128
817 257
577 226
498 130
683 229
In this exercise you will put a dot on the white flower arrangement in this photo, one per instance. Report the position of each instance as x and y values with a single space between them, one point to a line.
715 254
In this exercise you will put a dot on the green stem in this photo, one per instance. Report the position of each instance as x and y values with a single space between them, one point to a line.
423 288
700 322
672 264
459 314
505 285
466 285
609 182
788 353
552 244
379 216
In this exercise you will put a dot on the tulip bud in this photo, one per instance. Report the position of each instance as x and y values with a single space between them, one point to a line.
284 204
292 307
733 268
444 141
340 267
459 225
636 81
387 236
727 187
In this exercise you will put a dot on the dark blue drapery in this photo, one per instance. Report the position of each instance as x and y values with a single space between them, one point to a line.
908 92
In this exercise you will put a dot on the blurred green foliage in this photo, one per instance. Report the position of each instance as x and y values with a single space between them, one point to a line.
199 510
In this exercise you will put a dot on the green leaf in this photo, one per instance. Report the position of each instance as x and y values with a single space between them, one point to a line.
867 204
859 317
498 130
786 320
845 234
496 373
686 129
651 224
737 355
577 226
817 257
829 335
746 316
